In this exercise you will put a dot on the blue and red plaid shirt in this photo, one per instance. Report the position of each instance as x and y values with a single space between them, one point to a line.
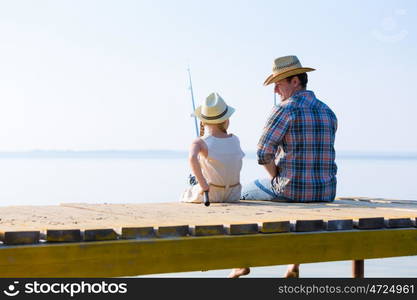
300 135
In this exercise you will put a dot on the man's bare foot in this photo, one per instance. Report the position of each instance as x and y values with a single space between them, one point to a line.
292 273
236 273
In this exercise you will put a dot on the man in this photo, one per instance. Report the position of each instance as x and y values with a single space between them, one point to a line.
297 144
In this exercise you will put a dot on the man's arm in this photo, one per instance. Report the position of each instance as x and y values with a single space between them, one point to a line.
271 168
272 136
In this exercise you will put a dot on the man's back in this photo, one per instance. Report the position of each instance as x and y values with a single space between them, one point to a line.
301 131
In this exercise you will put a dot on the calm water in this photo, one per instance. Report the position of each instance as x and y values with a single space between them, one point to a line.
54 181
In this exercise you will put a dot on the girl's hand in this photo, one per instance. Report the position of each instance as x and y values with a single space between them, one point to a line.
203 187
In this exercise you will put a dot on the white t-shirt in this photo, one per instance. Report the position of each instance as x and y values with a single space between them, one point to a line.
221 167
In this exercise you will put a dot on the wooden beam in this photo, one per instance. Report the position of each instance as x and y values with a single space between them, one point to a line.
358 268
333 225
275 227
100 234
173 231
138 232
309 225
369 223
398 223
19 237
207 230
182 254
63 235
236 229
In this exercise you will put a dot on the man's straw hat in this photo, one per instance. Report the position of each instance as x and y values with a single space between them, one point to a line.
284 67
214 110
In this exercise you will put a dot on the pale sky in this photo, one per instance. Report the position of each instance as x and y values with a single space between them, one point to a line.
93 75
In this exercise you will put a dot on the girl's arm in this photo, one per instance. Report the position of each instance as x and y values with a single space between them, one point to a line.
197 147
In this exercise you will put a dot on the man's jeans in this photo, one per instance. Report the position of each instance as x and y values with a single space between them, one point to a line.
261 189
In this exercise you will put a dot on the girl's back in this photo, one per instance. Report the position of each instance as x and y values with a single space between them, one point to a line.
224 160
221 168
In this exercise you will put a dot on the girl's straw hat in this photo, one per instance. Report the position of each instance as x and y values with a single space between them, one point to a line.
284 67
214 110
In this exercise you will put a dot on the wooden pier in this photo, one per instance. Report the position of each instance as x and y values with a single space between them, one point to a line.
110 240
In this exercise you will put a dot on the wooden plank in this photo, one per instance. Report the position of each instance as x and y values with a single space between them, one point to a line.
378 200
173 231
369 223
136 257
309 225
207 230
138 233
398 223
236 229
275 227
333 225
100 235
64 235
20 237
91 216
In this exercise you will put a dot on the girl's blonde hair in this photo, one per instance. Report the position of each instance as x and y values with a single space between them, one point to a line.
221 126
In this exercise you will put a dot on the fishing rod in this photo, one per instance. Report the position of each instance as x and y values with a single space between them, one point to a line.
206 200
192 100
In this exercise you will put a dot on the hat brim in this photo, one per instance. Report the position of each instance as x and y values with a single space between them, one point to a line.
279 76
230 111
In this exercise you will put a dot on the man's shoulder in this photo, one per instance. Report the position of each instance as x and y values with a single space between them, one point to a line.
308 100
285 109
326 108
288 105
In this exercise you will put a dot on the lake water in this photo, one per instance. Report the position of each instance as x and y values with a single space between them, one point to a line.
110 180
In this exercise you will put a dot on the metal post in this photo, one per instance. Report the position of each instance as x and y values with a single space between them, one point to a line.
358 268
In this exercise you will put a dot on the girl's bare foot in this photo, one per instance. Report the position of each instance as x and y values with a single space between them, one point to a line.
236 273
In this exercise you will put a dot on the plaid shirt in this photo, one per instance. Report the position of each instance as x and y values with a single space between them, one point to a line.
300 134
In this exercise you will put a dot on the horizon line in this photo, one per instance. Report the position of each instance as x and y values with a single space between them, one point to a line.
165 153
178 150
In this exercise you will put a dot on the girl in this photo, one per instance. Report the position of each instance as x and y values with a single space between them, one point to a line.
215 157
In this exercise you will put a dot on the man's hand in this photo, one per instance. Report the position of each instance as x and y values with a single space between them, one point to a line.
271 168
